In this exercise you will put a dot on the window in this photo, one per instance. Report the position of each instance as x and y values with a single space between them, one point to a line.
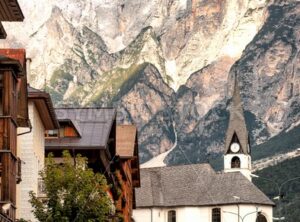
216 215
235 162
171 216
261 218
51 134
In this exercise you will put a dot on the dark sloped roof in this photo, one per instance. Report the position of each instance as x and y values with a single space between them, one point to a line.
93 124
195 185
237 123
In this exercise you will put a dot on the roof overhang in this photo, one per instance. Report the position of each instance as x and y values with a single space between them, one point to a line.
14 60
127 149
207 205
10 11
43 103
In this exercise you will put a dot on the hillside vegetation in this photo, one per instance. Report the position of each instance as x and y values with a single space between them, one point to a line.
289 206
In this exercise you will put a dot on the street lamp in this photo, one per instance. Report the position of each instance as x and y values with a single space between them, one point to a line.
246 215
277 218
238 214
279 187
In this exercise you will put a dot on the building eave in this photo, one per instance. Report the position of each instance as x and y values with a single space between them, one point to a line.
10 11
45 108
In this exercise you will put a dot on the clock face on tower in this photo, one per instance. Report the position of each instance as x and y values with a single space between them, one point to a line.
235 147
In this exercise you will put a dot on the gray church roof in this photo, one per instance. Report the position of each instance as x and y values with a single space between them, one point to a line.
195 185
237 123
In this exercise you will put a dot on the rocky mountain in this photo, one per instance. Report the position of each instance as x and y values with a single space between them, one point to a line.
168 66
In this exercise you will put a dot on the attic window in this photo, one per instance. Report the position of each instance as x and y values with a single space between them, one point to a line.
171 216
216 215
51 134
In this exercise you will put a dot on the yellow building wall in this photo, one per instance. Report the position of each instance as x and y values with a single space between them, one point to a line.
31 150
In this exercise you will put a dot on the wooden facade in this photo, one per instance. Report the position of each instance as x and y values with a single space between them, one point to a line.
93 133
13 114
128 174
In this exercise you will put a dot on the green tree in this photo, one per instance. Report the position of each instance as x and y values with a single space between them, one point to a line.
74 192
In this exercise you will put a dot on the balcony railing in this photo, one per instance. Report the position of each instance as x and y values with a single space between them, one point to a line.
4 218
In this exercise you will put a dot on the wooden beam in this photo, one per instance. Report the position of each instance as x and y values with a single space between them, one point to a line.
135 183
10 11
2 32
134 171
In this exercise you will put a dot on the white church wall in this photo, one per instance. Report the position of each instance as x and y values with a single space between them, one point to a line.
247 212
229 213
245 168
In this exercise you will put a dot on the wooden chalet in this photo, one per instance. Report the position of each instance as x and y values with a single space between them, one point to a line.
128 173
10 11
13 114
90 132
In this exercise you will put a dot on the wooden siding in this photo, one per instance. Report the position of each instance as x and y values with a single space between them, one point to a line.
11 73
22 112
8 140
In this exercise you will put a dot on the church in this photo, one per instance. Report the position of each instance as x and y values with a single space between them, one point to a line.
194 193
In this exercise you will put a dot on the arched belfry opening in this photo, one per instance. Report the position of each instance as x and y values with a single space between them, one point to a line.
235 162
261 218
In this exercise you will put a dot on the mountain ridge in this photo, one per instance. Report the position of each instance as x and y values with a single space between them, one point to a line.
172 67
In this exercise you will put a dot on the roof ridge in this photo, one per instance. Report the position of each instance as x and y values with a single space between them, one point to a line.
84 108
176 166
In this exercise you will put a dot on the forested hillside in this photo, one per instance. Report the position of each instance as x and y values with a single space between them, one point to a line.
289 206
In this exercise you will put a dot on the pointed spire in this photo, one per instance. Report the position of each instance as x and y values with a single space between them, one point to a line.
236 97
237 124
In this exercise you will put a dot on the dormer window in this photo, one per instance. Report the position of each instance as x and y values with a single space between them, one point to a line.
51 133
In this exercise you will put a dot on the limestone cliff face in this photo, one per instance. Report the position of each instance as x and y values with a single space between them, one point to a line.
269 69
268 73
168 65
191 33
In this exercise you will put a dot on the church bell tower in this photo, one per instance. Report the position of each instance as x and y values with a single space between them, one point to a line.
237 156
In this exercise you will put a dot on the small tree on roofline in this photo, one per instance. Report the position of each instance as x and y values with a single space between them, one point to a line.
74 192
